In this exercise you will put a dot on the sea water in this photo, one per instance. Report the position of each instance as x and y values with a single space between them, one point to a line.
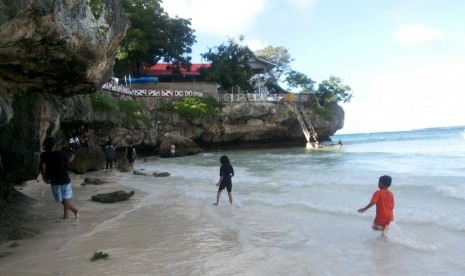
294 212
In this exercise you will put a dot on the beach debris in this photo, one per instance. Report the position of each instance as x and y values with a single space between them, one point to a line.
99 255
92 181
112 197
14 244
161 174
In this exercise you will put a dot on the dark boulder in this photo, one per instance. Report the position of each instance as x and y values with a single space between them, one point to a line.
161 174
112 197
92 181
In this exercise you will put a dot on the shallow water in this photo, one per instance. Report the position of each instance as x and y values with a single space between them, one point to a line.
294 212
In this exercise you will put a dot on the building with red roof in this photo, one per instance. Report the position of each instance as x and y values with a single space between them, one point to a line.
166 72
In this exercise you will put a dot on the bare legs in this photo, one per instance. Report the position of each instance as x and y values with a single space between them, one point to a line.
67 206
385 232
218 198
230 198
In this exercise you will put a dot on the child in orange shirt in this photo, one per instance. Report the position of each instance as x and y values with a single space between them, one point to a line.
384 200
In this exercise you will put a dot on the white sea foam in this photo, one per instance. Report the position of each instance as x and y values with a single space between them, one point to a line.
397 236
452 191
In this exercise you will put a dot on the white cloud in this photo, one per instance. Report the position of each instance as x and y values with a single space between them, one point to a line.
417 34
416 96
217 17
254 44
304 3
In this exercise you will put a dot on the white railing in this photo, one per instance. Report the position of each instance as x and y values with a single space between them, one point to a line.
149 93
221 97
250 98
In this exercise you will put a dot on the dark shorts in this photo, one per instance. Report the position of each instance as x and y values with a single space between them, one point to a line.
227 186
131 160
109 162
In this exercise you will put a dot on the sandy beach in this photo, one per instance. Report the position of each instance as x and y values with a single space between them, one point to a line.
53 231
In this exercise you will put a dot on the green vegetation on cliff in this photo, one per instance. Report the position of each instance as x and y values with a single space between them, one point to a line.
134 111
196 107
131 110
191 107
102 102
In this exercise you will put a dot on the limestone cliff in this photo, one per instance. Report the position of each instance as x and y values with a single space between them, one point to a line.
49 49
61 47
252 124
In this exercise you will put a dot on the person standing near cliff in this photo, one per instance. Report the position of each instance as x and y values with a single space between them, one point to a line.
53 168
131 154
173 151
109 155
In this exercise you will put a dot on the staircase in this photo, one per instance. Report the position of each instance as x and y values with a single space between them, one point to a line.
305 123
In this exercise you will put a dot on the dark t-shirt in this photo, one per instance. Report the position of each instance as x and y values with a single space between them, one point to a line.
226 170
109 152
55 167
130 153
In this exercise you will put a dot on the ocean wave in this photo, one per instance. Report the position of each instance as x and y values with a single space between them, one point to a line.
413 217
454 192
444 220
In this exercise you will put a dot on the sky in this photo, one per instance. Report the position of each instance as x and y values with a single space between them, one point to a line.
403 59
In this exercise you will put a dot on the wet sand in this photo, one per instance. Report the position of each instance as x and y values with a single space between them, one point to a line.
53 231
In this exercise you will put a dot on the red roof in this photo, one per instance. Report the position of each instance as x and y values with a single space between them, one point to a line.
166 69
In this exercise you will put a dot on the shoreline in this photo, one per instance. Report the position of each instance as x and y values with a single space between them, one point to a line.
51 231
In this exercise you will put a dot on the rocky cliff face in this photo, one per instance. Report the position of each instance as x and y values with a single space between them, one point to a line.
52 53
61 47
235 125
252 124
49 50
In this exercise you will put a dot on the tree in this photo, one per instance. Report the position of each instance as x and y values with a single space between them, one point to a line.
280 57
333 91
229 66
296 79
152 37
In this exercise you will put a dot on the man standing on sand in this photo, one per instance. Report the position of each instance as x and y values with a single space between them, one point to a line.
53 167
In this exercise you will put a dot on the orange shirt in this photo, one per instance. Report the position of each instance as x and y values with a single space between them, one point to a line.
384 200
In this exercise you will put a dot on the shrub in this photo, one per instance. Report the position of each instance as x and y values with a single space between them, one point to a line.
133 112
324 113
196 107
102 102
167 105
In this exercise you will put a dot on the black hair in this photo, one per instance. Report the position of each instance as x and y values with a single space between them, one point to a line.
385 180
49 143
224 160
109 143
